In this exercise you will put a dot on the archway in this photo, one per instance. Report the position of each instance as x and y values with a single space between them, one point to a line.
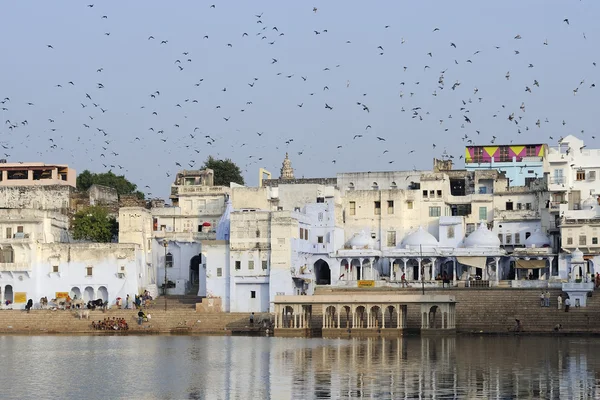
88 294
75 293
8 293
322 272
288 317
103 293
195 273
435 318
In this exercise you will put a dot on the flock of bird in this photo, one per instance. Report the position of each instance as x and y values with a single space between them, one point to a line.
193 111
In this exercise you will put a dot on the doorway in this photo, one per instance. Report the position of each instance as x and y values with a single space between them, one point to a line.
322 272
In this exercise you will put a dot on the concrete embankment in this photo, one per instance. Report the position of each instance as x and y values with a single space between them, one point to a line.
477 311
494 310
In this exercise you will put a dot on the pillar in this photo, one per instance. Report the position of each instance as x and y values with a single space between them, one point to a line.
454 269
404 260
324 315
497 259
516 269
339 318
371 263
276 316
550 261
419 261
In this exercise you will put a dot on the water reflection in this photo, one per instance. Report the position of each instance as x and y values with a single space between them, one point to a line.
176 367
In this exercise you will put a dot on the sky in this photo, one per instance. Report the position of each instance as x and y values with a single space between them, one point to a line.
341 86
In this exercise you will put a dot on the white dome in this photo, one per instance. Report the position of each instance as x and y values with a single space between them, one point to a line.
361 240
482 237
577 256
417 238
538 239
589 203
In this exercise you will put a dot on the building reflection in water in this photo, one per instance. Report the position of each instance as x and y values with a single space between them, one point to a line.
440 367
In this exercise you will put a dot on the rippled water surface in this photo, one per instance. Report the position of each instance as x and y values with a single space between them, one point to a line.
186 367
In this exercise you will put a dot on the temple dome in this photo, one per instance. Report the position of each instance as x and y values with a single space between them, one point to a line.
589 203
577 256
419 237
537 239
482 237
361 240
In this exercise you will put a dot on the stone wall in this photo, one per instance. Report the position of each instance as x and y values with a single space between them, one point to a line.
102 195
55 198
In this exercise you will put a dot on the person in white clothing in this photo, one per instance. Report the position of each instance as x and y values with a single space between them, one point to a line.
559 301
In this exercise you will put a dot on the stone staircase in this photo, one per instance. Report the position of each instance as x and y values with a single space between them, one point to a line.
493 310
176 320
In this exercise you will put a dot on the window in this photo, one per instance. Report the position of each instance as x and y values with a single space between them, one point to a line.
390 206
373 235
250 265
483 213
55 268
509 206
279 208
199 228
238 265
478 154
530 151
500 238
319 239
409 204
470 228
377 208
519 206
253 294
375 186
432 194
594 240
352 208
257 233
425 194
504 157
280 240
450 232
581 175
301 233
582 240
508 238
391 238
264 265
435 211
9 233
89 271
592 175
527 234
351 186
306 234
20 229
439 193
393 186
528 206
569 240
320 199
219 272
517 238
482 189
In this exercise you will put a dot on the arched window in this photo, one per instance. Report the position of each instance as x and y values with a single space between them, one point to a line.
169 260
375 186
393 186
351 186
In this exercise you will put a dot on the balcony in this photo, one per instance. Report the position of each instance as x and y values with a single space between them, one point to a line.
198 189
516 215
184 236
558 180
15 267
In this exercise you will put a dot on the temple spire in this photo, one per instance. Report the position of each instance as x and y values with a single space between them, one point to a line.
287 172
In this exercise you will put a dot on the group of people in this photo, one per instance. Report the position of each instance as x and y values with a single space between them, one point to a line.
110 324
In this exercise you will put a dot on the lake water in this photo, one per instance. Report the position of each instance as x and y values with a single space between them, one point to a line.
202 367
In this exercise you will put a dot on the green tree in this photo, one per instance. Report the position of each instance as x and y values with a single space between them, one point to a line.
93 223
86 179
226 171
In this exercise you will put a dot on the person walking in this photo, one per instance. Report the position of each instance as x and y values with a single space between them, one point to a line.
567 304
559 300
547 298
542 299
252 319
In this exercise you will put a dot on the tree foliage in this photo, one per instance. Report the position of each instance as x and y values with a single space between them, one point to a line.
86 179
226 171
93 223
